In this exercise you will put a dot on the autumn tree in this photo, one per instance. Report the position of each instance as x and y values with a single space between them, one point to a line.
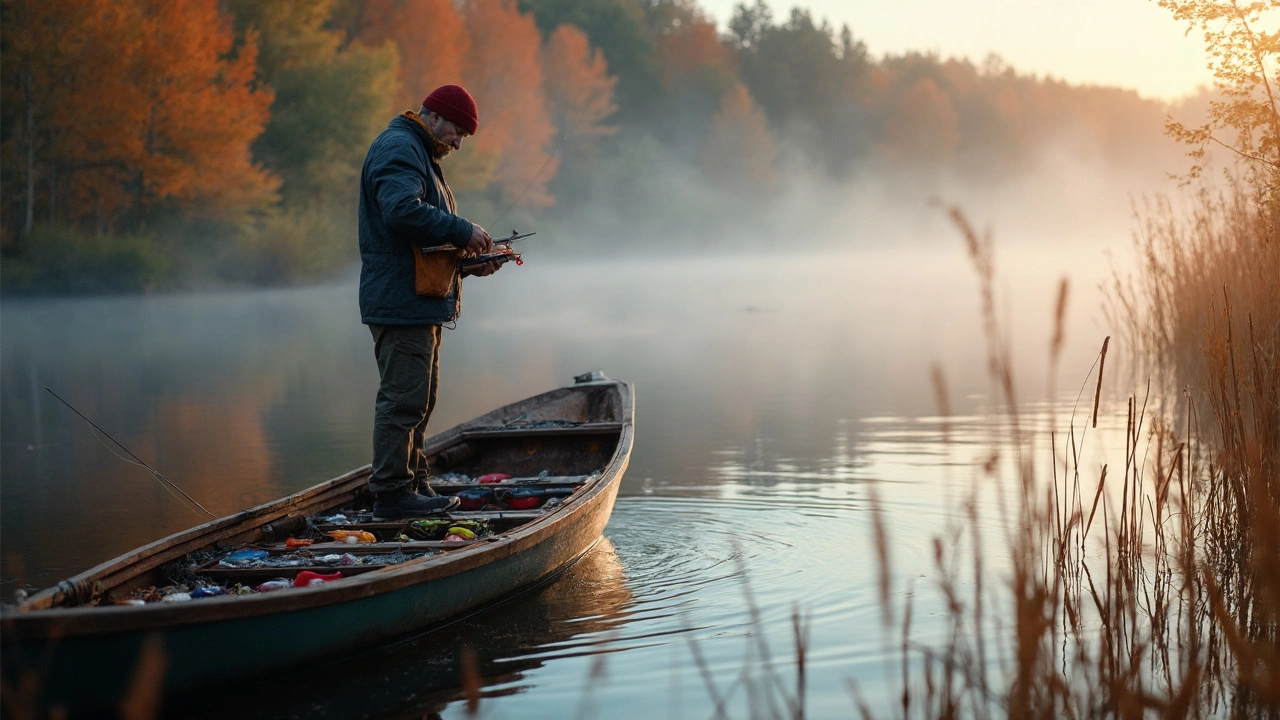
697 68
579 88
200 109
529 91
434 44
331 98
48 48
496 52
130 104
503 71
1245 60
805 78
921 130
740 151
985 128
997 119
797 70
618 28
430 37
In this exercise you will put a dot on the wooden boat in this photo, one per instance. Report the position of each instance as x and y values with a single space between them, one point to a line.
76 646
422 676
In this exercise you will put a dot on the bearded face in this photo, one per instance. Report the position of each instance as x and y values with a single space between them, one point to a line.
445 135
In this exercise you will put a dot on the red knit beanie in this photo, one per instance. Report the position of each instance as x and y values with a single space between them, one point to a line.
455 104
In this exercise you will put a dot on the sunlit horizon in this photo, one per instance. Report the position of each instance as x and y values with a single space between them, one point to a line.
1134 44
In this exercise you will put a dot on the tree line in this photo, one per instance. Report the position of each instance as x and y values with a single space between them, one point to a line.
201 142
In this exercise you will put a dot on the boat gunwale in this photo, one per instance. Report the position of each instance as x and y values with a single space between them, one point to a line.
65 622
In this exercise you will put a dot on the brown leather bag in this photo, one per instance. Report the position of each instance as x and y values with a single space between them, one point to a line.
435 271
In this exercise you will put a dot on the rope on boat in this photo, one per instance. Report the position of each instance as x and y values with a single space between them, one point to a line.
70 593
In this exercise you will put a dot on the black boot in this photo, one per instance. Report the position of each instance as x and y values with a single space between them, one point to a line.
422 486
402 503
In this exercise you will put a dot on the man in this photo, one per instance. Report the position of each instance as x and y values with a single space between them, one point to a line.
406 205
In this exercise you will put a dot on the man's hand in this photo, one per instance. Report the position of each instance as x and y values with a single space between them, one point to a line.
479 244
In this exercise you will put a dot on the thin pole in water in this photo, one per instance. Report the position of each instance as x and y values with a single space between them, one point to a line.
165 482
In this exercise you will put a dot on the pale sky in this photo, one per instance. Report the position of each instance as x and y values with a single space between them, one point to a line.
1128 43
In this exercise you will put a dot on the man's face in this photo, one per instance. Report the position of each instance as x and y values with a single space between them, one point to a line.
446 132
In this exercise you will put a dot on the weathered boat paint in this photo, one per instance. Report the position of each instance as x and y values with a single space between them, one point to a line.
85 657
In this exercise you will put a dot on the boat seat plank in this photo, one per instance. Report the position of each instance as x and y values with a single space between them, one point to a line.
381 525
600 428
561 481
518 516
262 574
378 547
503 516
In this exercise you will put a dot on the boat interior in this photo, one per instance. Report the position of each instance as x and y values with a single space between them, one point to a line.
508 468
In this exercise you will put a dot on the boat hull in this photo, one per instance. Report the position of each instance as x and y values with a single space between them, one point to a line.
58 660
96 671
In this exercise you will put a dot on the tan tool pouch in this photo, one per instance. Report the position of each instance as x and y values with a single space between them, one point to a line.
434 271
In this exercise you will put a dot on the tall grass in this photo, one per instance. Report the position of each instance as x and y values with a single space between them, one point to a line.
1150 588
1220 252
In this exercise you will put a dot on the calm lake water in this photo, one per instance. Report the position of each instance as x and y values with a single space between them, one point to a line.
773 394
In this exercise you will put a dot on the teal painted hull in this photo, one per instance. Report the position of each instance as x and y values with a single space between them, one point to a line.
95 672
84 658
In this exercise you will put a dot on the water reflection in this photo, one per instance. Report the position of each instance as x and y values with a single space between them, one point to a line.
772 393
237 398
422 675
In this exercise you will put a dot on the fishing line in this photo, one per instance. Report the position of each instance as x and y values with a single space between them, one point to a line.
545 163
108 448
165 482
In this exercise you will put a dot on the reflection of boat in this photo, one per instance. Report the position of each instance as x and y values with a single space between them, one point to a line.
421 675
81 649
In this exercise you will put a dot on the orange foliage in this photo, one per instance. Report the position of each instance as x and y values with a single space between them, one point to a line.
740 151
197 109
959 75
493 50
578 85
430 36
922 126
693 49
504 73
56 48
135 102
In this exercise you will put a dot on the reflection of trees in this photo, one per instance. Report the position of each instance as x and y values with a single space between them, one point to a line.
422 675
206 389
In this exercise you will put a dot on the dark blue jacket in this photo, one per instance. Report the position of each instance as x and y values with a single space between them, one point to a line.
404 201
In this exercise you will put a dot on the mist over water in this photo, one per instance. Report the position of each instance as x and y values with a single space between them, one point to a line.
774 387
1068 195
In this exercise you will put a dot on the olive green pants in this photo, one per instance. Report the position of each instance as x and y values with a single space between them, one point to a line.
409 368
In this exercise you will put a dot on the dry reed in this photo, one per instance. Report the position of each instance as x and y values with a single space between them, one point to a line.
1168 605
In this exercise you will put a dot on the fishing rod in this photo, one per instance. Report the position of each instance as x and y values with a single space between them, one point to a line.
556 151
536 175
498 257
165 482
514 237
